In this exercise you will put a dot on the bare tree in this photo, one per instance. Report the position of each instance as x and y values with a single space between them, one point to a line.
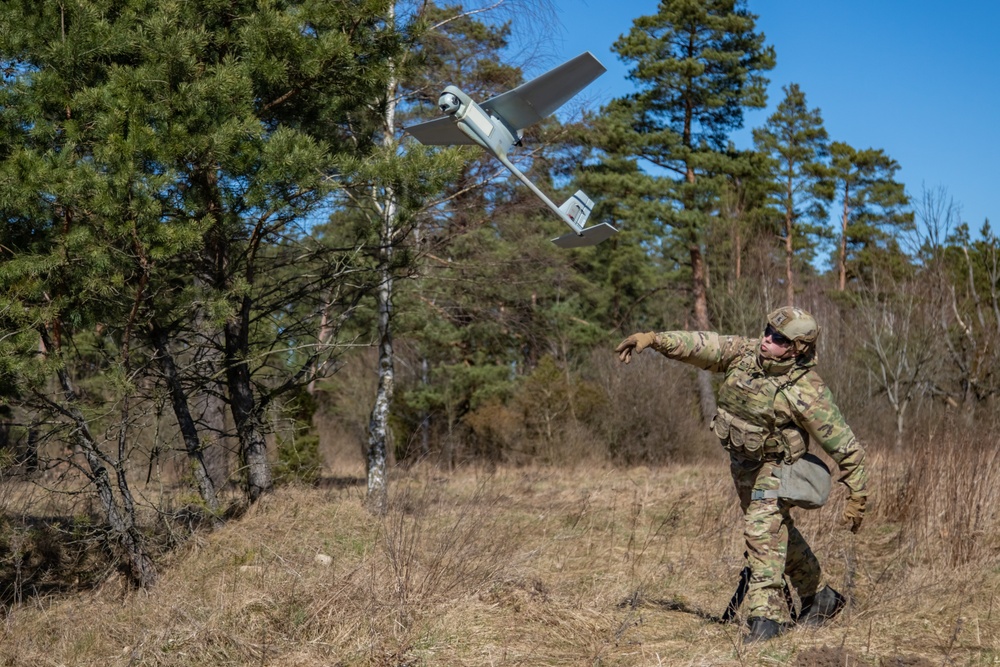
965 274
901 343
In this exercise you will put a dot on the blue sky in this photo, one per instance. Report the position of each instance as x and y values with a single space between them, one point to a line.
916 79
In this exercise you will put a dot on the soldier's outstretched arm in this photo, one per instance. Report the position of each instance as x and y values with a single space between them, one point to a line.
704 349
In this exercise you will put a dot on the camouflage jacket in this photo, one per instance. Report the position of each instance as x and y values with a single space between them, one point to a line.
805 401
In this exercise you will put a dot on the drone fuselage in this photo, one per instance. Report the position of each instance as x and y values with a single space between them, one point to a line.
486 130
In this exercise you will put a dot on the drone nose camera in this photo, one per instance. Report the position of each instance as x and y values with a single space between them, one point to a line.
449 103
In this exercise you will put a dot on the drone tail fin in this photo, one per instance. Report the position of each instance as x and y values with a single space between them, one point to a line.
577 209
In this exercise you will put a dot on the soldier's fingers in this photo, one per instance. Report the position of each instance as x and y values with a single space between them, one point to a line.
626 355
625 344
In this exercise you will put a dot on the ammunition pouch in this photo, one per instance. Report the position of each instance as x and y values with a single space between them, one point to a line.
795 442
752 442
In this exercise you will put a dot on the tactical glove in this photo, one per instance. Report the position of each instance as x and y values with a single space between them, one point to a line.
637 343
855 512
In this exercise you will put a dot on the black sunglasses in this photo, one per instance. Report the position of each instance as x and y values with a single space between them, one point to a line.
776 336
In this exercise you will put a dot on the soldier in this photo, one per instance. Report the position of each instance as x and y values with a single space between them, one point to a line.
771 404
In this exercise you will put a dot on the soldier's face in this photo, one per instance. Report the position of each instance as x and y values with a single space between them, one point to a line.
775 346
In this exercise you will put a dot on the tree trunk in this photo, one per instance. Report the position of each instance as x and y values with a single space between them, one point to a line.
378 424
125 536
706 393
739 252
249 430
789 250
251 444
706 397
125 539
209 406
322 338
842 259
30 455
900 423
189 433
699 292
425 415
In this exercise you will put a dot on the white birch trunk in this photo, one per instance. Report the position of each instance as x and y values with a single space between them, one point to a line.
378 424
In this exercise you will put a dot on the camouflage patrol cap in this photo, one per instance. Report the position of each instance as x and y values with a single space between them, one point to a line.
797 326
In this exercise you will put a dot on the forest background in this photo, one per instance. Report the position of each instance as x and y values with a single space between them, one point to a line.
226 268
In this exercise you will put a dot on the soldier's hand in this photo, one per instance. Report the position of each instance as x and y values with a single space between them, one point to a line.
634 343
854 513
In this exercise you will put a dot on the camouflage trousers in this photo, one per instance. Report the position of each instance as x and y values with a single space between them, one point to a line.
775 549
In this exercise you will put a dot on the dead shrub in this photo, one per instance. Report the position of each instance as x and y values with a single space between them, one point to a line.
943 492
496 430
552 417
651 415
429 564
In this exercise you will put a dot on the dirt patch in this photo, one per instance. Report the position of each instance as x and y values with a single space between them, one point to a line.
906 661
825 656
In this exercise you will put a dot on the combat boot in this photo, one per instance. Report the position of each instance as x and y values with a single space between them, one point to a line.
820 608
762 629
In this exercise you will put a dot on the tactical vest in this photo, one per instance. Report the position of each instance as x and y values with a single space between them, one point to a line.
745 423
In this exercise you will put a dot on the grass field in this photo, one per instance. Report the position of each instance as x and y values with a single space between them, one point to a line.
591 565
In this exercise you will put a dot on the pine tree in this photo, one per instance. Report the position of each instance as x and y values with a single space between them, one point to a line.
158 162
697 66
873 207
637 270
796 141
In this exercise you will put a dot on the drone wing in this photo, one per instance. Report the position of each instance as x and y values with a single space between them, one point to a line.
532 101
439 132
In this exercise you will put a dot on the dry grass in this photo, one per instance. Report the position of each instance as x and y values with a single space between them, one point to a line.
537 566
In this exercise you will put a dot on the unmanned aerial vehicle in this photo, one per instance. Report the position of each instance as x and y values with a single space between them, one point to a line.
499 122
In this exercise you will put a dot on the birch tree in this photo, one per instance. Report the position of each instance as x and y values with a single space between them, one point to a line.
429 27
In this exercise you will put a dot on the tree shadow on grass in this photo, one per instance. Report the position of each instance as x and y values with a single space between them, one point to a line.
340 482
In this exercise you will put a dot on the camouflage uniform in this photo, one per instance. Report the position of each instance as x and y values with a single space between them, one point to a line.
768 413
